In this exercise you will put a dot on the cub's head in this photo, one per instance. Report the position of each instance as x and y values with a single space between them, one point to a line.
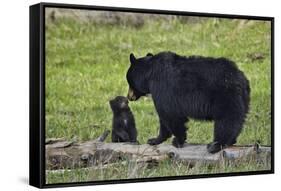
137 76
119 103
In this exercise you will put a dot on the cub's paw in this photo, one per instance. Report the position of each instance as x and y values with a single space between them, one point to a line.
176 143
214 147
153 141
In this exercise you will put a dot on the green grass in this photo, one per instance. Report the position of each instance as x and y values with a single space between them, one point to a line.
86 65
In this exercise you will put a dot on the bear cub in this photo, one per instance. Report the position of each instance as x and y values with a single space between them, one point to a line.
123 123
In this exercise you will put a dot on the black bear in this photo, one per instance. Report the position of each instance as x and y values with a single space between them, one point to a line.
123 123
195 87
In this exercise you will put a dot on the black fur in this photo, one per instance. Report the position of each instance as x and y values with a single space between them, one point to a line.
196 87
123 123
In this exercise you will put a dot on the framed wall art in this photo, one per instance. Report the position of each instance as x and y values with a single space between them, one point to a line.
130 95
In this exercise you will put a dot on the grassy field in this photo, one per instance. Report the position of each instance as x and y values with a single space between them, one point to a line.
86 65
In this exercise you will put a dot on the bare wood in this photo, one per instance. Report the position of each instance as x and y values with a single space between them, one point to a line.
62 154
103 136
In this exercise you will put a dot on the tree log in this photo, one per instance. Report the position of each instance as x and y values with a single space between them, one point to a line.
62 154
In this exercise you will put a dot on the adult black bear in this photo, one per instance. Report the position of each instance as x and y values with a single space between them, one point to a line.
198 87
123 123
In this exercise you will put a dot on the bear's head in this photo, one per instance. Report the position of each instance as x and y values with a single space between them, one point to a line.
137 76
119 103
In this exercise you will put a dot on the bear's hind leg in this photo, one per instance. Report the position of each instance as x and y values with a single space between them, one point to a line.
225 134
229 113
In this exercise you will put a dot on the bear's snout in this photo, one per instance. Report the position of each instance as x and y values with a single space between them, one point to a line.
131 95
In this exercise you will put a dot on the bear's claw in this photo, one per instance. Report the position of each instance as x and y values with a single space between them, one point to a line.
214 147
177 144
153 141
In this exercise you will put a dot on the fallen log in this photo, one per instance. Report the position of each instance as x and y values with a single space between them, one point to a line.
62 154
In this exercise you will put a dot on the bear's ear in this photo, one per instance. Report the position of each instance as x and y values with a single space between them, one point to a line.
149 54
132 58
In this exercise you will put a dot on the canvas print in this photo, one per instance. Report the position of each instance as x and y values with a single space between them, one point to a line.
134 95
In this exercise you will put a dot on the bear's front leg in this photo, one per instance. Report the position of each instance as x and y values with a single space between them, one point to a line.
164 134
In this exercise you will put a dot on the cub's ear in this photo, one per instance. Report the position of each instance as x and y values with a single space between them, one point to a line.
132 58
149 54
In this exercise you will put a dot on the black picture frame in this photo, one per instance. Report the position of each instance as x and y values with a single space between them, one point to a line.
37 93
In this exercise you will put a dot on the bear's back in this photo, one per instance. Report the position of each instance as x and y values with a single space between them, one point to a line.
205 69
193 63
